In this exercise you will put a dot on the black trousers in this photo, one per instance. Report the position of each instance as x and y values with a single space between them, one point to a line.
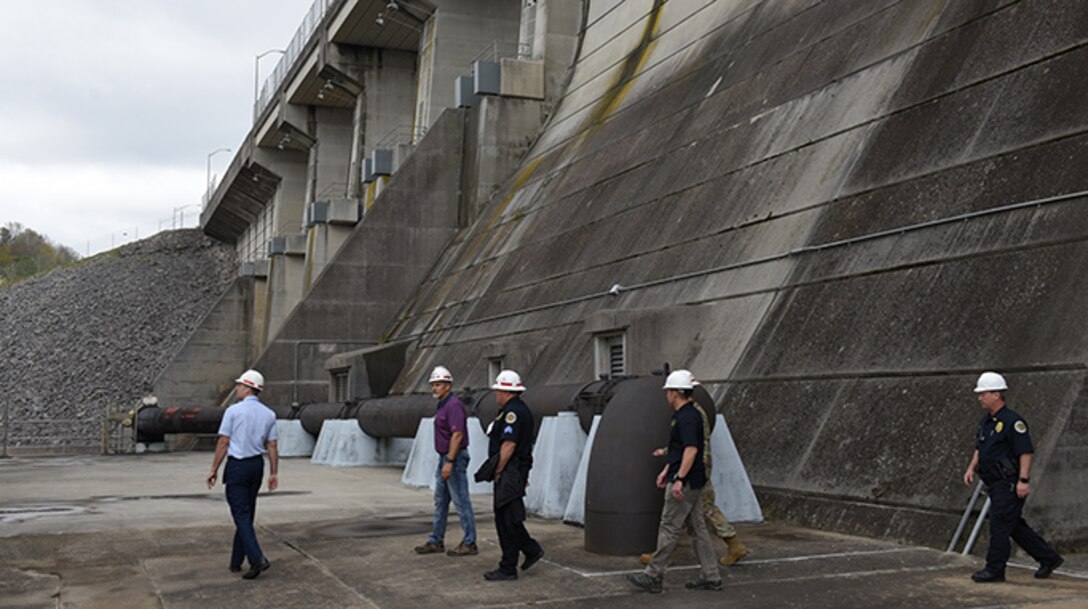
243 480
513 538
1005 522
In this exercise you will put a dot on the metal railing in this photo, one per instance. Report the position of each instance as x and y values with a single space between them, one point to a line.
402 134
967 516
299 41
498 49
332 191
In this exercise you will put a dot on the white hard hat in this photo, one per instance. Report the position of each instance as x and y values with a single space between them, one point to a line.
441 374
252 379
681 379
990 381
508 380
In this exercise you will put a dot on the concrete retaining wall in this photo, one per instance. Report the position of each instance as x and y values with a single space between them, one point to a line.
356 297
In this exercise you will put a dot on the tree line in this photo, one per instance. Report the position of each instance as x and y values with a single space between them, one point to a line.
24 252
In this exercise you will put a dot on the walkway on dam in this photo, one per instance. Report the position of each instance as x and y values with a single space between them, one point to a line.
143 531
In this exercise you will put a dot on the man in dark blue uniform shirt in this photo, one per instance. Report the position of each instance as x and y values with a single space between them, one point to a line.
510 438
1002 459
682 479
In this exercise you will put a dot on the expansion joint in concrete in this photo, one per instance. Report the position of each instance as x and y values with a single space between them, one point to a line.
320 566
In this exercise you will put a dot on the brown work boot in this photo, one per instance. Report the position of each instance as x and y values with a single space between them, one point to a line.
431 548
737 551
464 549
646 558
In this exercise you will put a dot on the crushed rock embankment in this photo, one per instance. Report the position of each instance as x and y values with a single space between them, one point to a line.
78 338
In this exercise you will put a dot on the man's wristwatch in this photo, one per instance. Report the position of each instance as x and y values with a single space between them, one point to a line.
1025 480
677 478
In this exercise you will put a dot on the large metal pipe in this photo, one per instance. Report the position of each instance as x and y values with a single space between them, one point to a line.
623 505
313 416
543 401
152 422
394 416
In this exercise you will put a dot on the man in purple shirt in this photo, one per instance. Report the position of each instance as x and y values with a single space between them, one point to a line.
451 477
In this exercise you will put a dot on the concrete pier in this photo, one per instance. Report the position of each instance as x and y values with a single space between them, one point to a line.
556 455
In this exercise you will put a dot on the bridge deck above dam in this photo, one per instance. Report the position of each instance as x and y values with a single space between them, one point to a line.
144 531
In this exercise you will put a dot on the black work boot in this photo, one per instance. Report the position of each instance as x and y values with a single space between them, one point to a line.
1046 568
987 576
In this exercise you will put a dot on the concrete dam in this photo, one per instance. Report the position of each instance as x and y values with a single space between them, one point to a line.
835 213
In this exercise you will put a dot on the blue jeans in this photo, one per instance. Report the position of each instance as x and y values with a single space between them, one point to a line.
455 488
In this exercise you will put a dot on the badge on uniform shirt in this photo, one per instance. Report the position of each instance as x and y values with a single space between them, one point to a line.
1020 427
1000 426
672 423
510 418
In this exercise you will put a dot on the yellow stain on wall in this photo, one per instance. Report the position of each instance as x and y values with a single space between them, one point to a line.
634 64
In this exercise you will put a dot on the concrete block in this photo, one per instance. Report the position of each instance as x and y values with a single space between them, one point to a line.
316 213
368 171
294 440
344 211
382 162
464 95
576 503
295 245
521 78
343 444
477 450
422 461
556 457
277 246
732 489
486 77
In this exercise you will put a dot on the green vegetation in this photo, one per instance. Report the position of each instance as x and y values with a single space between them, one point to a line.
24 252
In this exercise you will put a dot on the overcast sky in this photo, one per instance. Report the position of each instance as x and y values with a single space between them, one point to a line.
108 108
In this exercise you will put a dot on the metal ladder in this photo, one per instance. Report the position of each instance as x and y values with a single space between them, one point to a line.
966 516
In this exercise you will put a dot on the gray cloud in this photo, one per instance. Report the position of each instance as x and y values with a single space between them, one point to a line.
118 87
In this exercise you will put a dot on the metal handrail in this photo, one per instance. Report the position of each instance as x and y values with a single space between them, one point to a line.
965 518
302 37
498 49
978 527
402 134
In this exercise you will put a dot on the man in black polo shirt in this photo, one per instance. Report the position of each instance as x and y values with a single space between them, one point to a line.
510 444
683 478
1002 458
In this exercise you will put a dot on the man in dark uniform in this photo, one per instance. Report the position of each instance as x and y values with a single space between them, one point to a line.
682 479
1002 458
511 446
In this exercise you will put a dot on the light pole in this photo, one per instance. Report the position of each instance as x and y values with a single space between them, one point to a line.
256 71
208 174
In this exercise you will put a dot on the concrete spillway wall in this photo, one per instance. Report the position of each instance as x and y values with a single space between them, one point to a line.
813 205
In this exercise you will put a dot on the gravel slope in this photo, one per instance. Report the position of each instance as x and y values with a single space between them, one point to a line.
78 338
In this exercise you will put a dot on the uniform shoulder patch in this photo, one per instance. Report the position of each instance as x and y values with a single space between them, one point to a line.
1020 427
1000 425
508 430
511 417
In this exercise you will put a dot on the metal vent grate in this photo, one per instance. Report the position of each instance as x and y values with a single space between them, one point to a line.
341 381
615 357
611 355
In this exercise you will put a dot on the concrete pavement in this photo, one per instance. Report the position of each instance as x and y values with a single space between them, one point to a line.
124 532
